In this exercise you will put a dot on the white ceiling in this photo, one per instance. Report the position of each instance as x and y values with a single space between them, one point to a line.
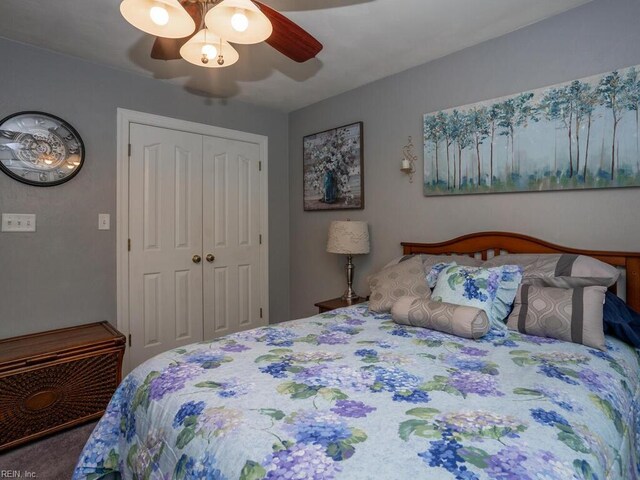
364 40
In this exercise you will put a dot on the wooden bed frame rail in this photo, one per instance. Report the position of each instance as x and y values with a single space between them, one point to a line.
498 242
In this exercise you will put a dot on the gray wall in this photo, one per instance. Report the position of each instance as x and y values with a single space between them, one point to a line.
595 38
65 273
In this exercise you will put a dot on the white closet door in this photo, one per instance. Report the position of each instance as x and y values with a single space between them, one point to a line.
231 223
165 226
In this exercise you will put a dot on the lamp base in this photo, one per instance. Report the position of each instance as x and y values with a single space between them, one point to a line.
349 294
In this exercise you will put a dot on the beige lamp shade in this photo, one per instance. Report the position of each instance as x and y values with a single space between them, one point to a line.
254 28
162 18
206 42
348 238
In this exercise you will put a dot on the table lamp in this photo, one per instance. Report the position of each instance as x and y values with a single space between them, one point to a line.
348 238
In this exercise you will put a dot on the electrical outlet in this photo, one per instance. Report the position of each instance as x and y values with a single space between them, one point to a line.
104 221
18 222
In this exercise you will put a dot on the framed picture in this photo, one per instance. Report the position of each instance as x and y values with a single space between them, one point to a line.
334 169
583 134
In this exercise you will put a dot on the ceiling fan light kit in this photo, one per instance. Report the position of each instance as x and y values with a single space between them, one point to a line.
216 23
207 49
225 18
162 18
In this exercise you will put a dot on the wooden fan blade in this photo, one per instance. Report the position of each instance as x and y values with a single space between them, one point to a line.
169 48
289 38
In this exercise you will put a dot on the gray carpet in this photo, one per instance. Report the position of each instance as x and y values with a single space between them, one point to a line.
52 458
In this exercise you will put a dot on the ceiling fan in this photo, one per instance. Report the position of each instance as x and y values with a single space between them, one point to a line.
201 31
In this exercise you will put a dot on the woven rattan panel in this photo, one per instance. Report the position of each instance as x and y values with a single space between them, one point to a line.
43 398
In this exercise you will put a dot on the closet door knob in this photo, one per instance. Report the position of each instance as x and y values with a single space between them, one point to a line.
210 258
196 259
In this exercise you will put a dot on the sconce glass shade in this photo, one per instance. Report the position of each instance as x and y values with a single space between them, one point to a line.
348 238
138 14
219 19
192 51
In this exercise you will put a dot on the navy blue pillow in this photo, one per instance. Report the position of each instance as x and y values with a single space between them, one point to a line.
621 321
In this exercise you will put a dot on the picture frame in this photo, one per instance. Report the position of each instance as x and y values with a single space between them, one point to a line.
578 135
333 169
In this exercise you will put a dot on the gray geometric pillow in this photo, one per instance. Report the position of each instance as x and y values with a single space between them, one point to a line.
559 270
391 283
428 260
459 320
569 314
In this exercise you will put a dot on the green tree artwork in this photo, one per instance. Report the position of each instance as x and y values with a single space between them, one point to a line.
578 135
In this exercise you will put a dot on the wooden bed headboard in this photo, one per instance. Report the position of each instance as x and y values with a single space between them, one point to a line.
498 242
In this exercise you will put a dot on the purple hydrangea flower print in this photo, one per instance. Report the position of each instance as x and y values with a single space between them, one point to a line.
338 376
548 417
400 332
415 396
278 337
465 362
507 464
354 321
552 371
188 409
366 352
471 289
321 428
539 340
474 352
445 454
202 469
206 359
173 379
334 338
352 409
474 382
301 462
344 328
597 383
493 283
512 273
276 370
393 379
123 397
235 347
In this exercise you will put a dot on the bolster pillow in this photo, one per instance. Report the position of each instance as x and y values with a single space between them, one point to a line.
459 320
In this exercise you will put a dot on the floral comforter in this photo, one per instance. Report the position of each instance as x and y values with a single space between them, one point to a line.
352 395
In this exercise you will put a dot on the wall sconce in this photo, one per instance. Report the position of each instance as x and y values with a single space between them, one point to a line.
408 164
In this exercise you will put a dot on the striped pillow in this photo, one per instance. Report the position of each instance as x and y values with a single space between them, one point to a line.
569 314
559 270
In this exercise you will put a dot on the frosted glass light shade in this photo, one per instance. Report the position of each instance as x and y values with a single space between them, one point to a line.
219 18
348 238
138 14
192 50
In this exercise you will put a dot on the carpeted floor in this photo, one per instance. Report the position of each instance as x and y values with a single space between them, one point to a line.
52 458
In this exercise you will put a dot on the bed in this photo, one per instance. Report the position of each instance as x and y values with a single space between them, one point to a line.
350 394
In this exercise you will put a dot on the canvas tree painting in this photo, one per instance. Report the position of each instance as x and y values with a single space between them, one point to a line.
578 135
333 169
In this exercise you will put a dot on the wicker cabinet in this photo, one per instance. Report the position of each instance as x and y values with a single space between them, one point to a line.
54 380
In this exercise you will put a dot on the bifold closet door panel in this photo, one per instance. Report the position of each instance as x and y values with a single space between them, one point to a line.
165 215
231 228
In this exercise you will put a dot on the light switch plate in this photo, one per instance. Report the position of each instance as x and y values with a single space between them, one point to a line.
104 221
18 222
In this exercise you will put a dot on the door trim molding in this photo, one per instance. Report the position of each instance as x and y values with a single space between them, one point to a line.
125 118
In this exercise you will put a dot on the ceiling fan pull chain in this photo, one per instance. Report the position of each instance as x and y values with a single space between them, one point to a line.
220 57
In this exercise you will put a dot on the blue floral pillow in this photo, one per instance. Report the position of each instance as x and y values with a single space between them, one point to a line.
432 276
490 289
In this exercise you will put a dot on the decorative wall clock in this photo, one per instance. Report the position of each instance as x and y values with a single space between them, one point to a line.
39 149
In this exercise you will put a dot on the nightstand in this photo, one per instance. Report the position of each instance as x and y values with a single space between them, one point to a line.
328 305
